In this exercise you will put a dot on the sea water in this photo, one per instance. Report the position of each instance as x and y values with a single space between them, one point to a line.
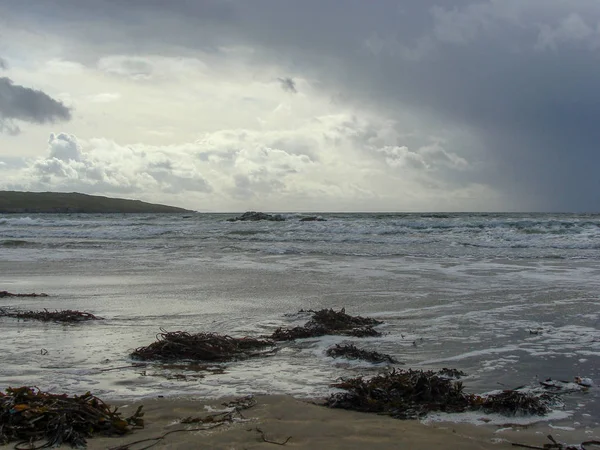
511 299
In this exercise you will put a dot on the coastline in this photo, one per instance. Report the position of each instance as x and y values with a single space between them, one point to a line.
310 426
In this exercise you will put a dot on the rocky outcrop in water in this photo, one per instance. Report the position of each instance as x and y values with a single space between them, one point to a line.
253 216
312 219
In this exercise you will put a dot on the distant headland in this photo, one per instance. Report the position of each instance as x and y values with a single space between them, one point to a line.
58 202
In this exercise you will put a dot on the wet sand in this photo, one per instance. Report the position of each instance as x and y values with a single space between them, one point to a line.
310 427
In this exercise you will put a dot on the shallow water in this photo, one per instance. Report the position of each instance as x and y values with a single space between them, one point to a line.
509 299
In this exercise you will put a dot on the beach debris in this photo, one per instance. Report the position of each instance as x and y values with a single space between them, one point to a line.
584 381
403 394
233 410
10 294
254 216
350 351
64 316
184 372
512 402
231 414
269 441
29 415
329 322
559 445
562 386
410 394
201 347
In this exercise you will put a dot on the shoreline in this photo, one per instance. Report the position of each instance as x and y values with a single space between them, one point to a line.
275 418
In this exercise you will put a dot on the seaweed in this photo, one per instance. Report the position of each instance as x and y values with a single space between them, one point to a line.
234 408
350 351
410 394
559 445
511 402
184 372
64 316
29 415
327 322
200 347
404 394
10 294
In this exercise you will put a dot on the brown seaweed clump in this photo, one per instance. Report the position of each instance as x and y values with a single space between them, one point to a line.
64 316
200 347
350 351
560 446
410 394
329 322
10 294
511 402
29 415
403 394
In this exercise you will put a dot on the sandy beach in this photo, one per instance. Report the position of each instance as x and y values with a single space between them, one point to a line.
310 426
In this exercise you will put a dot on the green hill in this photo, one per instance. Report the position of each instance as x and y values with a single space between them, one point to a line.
58 202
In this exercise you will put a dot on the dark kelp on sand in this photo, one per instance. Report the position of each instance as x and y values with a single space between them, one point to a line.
232 413
201 347
329 322
410 394
36 419
350 351
555 445
64 316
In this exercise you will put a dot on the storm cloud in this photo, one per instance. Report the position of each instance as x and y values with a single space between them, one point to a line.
495 93
28 105
288 84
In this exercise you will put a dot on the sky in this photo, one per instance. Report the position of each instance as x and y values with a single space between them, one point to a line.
305 105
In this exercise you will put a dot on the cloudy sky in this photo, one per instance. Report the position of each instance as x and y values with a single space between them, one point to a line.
305 105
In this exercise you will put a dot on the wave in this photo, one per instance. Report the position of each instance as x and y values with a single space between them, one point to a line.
386 235
20 221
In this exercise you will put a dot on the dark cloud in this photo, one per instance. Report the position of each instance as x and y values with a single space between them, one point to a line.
515 83
519 77
3 64
29 105
288 84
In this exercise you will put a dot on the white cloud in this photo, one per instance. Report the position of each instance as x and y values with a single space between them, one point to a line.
137 68
104 97
332 162
64 147
62 67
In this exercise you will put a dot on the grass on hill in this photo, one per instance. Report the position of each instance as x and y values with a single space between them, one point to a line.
59 202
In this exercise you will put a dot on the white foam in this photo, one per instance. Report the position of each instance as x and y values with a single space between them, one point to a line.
475 353
481 418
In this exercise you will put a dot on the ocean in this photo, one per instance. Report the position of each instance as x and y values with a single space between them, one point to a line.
511 299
